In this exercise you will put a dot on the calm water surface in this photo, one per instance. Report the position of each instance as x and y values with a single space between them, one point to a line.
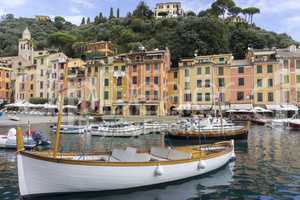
267 167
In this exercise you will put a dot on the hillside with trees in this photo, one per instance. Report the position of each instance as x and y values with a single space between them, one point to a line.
222 28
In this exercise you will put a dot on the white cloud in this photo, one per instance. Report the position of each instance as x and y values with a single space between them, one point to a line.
75 19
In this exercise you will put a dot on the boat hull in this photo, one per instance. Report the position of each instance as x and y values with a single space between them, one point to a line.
41 177
212 135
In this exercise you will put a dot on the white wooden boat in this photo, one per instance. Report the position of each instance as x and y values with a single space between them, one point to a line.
71 129
117 129
41 173
9 141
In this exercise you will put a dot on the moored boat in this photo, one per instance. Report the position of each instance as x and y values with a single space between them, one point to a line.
71 129
293 124
116 170
115 129
30 141
212 129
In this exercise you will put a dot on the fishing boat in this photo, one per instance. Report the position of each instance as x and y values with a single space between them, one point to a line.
42 173
212 128
115 129
30 140
71 129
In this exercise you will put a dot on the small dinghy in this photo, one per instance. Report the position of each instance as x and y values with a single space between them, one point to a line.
9 141
31 140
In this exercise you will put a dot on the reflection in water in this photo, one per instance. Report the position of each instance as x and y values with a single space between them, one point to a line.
267 167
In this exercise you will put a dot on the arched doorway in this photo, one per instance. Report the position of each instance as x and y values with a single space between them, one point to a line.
134 110
119 110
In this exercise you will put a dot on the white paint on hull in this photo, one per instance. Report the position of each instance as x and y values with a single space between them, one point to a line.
42 177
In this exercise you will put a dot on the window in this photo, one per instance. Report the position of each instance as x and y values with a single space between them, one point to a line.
7 75
298 64
270 83
106 82
240 96
134 80
147 94
286 79
41 95
298 94
35 61
41 84
187 85
156 80
7 86
155 94
298 78
42 61
175 87
221 97
207 96
199 83
134 68
134 93
31 86
147 67
270 68
270 96
241 70
123 68
175 99
42 72
187 97
241 81
119 81
186 72
207 70
199 96
221 71
259 69
31 77
199 70
207 83
156 67
175 75
93 81
221 82
147 80
259 97
106 95
116 68
259 83
119 95
286 64
221 60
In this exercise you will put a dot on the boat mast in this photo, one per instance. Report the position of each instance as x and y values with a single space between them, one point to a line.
59 116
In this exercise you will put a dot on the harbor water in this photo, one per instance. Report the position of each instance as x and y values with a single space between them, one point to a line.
267 167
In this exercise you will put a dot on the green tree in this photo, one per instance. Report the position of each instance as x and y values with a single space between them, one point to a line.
88 21
118 13
111 13
190 13
63 41
142 11
59 22
83 21
220 7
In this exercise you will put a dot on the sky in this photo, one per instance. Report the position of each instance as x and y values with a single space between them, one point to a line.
281 16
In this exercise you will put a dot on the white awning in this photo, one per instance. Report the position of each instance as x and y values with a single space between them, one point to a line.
184 107
289 107
274 107
201 107
70 107
241 106
223 107
260 110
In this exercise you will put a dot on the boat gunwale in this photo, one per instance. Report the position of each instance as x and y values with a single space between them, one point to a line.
228 149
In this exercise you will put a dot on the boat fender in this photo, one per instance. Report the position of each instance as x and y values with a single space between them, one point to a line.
201 165
158 171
